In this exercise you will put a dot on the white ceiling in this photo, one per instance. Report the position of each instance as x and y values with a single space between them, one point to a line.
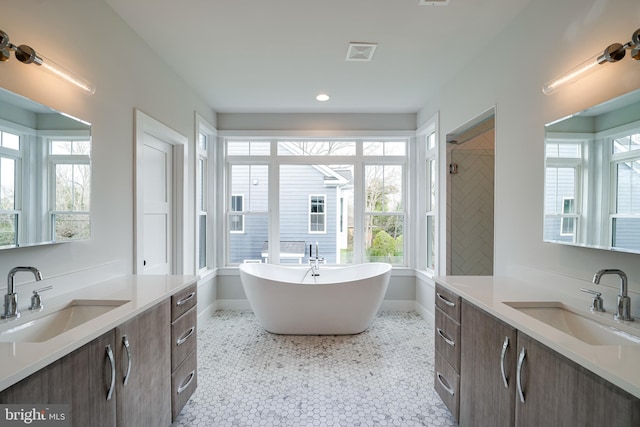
276 56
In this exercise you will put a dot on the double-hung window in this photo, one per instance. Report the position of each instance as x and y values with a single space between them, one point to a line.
69 188
625 208
202 190
430 198
10 183
317 214
563 184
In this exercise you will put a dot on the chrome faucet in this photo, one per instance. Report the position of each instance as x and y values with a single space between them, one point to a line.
11 298
623 311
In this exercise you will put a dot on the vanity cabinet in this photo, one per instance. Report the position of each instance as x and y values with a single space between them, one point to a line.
82 379
124 377
143 362
507 378
447 349
487 369
558 391
184 372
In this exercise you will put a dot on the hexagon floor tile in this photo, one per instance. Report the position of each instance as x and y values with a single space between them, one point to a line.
249 377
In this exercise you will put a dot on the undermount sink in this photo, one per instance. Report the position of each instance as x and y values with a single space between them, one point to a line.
34 328
568 320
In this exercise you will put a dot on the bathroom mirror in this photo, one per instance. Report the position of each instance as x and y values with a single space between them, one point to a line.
45 174
592 177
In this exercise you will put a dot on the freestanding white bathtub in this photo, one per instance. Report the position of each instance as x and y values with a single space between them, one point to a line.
340 301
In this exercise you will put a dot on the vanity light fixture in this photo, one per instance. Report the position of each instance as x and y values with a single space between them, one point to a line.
27 55
613 53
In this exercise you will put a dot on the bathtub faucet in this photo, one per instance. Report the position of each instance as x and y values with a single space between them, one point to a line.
315 262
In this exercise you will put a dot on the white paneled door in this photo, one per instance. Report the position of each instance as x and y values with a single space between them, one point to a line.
158 205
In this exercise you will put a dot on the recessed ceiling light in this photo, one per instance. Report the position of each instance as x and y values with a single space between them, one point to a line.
322 97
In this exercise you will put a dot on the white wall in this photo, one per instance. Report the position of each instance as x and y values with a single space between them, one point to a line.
86 36
546 39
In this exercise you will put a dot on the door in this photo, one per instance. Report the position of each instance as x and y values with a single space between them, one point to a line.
161 207
157 167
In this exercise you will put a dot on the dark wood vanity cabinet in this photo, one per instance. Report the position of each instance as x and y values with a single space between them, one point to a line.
82 379
184 372
487 369
553 390
447 346
143 363
558 391
125 377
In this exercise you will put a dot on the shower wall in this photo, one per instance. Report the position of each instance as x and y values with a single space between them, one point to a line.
471 215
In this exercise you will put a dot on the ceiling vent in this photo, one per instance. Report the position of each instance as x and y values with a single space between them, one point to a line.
433 2
361 51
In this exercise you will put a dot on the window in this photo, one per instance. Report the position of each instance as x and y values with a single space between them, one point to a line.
236 221
317 216
625 167
70 188
10 161
430 197
303 191
202 198
563 183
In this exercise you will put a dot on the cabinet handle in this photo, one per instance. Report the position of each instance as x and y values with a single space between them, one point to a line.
445 300
186 383
505 346
444 336
444 384
184 300
125 341
112 362
186 336
523 354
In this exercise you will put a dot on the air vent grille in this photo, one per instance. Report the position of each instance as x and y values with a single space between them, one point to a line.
433 2
361 51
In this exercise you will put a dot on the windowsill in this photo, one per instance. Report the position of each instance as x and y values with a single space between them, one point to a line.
395 271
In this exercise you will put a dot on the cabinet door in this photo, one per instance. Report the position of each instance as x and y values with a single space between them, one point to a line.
487 369
557 391
145 398
82 379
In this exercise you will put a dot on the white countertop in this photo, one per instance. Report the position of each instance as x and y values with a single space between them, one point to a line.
19 360
618 364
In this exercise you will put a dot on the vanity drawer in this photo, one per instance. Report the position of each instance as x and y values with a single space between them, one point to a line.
183 337
184 381
182 301
447 385
447 339
448 302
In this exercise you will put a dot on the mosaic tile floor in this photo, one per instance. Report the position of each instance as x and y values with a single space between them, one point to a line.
249 377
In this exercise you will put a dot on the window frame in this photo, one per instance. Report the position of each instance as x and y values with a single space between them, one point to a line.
275 160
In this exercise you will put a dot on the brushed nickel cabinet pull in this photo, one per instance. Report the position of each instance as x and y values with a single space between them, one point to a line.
505 346
445 300
112 362
186 336
523 354
184 385
184 300
446 339
125 341
444 384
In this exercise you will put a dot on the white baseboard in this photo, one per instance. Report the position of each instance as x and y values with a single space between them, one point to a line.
424 313
397 305
233 304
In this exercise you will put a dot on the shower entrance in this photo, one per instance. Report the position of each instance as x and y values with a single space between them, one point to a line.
470 197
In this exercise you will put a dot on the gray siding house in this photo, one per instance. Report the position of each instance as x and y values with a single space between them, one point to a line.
314 207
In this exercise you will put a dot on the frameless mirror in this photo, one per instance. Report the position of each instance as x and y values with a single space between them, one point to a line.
45 174
592 177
